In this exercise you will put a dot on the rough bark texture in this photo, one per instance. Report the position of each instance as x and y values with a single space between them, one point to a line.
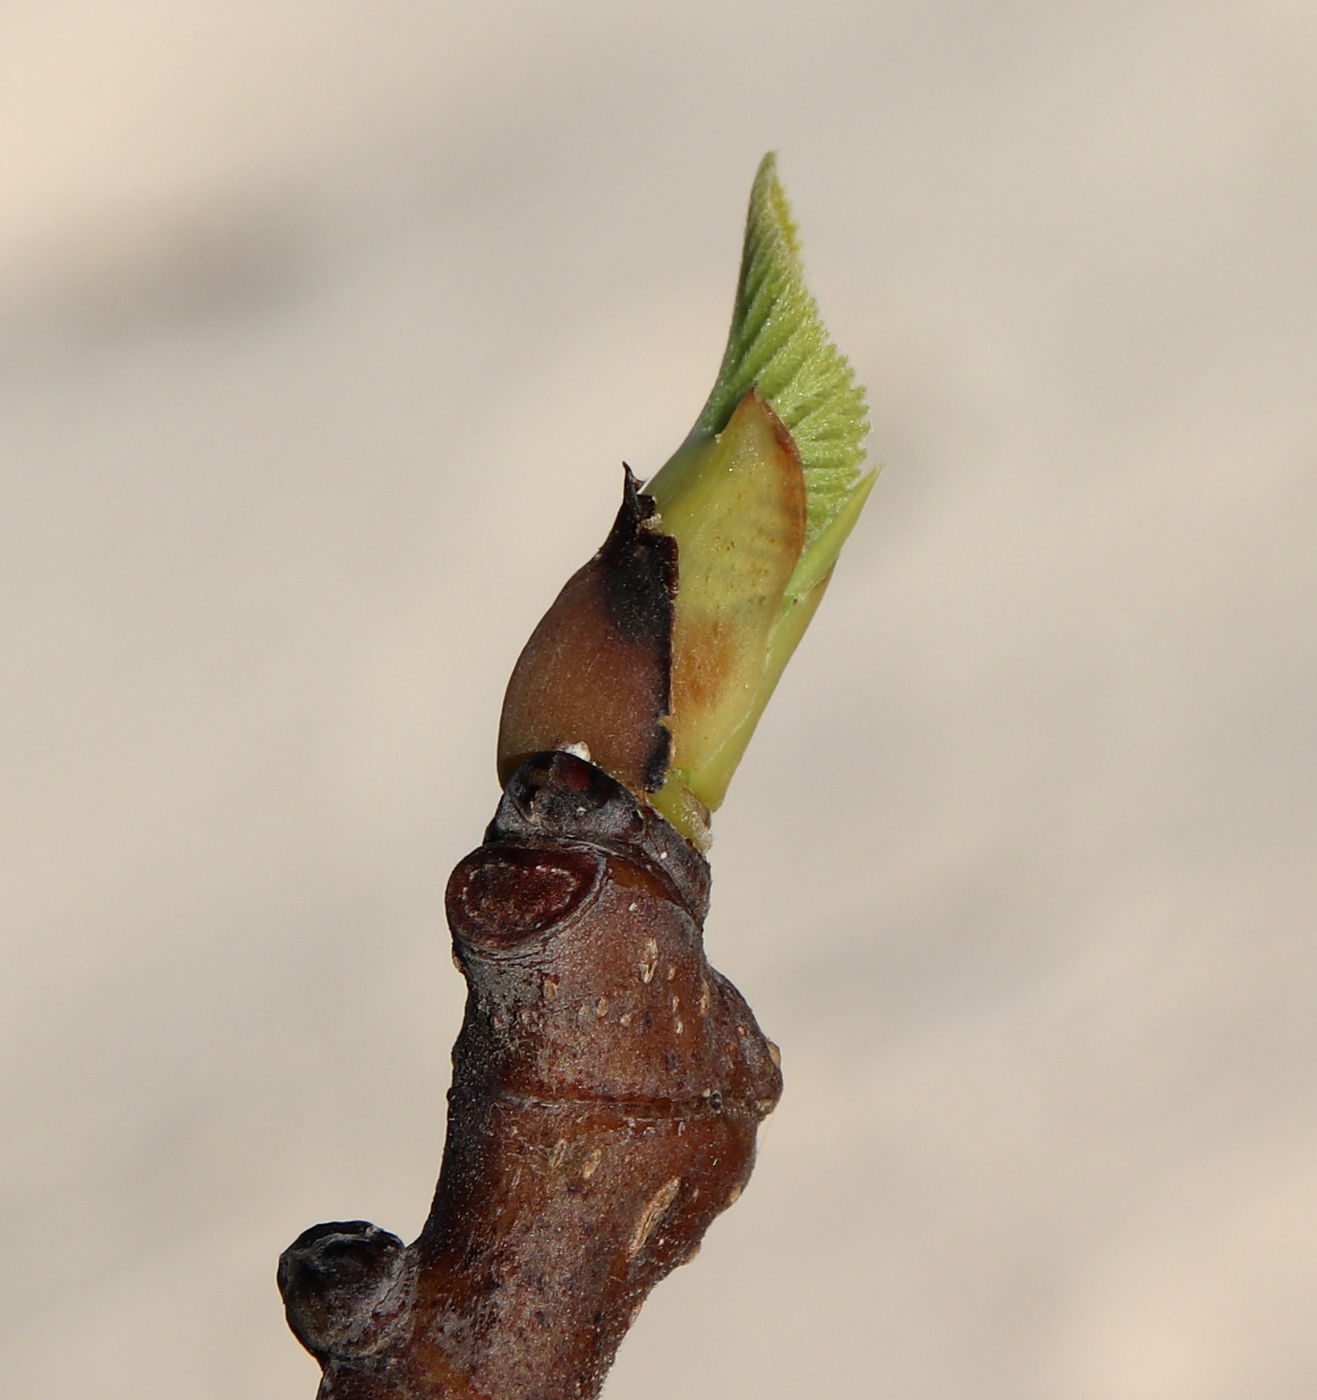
607 1088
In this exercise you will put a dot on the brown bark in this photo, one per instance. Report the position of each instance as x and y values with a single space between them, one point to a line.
607 1087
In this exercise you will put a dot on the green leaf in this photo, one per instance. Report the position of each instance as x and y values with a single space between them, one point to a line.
779 345
755 552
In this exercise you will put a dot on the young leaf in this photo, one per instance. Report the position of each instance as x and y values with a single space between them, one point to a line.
771 468
779 345
659 656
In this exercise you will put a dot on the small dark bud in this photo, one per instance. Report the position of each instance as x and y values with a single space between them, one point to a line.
333 1277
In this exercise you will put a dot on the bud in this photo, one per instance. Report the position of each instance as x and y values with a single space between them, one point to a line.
658 657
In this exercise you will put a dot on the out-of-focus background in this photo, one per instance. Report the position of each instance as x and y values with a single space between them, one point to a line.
323 332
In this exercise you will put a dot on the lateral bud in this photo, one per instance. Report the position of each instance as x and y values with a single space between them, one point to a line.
333 1279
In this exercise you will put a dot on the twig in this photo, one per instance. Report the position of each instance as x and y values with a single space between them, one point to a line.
607 1082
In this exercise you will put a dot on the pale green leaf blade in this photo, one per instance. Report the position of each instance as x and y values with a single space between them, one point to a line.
779 345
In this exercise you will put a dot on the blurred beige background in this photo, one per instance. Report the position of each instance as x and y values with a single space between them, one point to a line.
323 330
